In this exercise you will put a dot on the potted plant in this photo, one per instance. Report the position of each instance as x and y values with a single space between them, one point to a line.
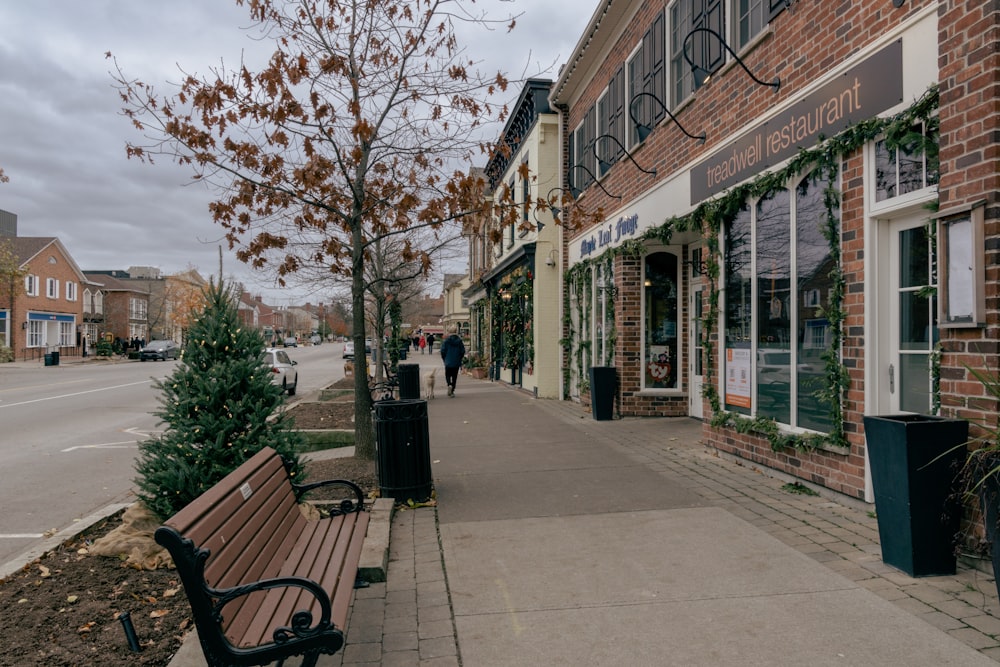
981 475
475 365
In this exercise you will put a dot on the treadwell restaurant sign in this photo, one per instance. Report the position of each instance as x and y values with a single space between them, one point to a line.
862 92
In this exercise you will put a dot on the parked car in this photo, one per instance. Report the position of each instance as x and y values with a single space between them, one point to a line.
160 350
349 349
291 341
283 371
316 339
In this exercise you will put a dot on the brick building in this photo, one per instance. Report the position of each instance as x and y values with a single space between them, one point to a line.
43 310
115 308
769 174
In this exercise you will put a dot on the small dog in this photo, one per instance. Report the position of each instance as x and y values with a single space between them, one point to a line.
429 383
348 369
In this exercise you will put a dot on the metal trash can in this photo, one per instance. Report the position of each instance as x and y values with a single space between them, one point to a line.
49 359
403 455
409 380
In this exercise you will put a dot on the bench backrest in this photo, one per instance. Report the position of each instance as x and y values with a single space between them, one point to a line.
247 521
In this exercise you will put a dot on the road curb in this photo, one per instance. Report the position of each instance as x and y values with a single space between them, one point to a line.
19 562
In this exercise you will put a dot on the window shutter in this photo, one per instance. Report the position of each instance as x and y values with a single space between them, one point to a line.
617 119
775 7
715 19
658 70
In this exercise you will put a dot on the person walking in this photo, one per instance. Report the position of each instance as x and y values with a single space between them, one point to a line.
452 353
430 343
423 343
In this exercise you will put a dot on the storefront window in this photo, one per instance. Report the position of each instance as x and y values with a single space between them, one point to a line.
661 293
813 264
774 324
739 307
604 315
789 283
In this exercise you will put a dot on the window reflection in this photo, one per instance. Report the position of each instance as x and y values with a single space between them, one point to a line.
776 328
904 170
814 265
739 308
774 325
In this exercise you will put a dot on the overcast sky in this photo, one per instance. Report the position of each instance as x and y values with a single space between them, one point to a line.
62 137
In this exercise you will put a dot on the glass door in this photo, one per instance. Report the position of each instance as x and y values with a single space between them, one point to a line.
912 332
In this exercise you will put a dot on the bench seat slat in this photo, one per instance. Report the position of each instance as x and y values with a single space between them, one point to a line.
324 553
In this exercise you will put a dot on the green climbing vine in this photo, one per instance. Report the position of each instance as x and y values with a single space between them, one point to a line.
512 312
913 130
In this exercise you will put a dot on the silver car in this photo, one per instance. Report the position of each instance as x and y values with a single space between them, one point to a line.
283 371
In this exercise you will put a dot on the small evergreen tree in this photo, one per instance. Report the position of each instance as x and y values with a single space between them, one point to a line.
216 406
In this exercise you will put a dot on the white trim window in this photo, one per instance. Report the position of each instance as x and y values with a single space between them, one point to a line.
777 263
137 309
36 333
70 290
66 338
52 288
904 175
31 285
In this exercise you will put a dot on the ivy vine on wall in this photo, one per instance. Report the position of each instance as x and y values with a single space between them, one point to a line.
512 312
709 219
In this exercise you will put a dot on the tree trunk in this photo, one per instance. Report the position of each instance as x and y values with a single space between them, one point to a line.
364 432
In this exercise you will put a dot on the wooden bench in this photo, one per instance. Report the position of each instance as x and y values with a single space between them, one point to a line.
264 582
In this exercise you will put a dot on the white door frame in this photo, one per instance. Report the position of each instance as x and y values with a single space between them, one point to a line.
696 293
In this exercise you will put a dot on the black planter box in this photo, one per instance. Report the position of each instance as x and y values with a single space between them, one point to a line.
915 460
603 385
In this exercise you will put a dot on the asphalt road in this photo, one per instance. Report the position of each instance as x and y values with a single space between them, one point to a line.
69 434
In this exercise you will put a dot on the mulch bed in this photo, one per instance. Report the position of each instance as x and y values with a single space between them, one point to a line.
63 608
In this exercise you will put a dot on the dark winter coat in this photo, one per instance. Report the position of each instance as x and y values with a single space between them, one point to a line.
452 351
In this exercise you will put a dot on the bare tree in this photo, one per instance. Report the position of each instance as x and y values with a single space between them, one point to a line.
353 132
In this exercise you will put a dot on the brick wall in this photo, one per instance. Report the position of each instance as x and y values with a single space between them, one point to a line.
969 65
49 263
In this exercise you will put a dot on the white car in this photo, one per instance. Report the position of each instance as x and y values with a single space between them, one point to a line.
349 349
283 371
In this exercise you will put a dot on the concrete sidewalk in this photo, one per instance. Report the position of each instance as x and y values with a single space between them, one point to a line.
560 540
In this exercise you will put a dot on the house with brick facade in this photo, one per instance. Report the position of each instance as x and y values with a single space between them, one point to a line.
45 312
116 308
800 227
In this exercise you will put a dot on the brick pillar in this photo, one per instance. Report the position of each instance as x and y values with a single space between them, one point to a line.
969 73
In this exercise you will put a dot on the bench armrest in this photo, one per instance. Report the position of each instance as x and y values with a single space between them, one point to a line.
301 637
346 506
302 626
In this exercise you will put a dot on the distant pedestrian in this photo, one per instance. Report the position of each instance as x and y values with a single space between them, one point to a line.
423 343
430 343
452 353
